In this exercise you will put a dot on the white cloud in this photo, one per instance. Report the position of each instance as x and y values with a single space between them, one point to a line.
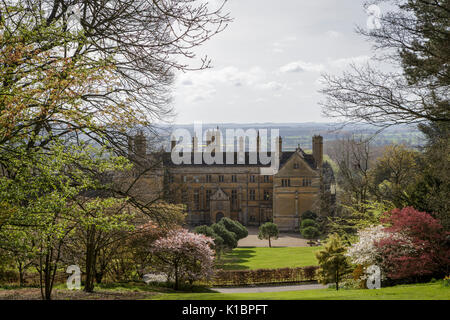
345 62
201 85
273 85
301 66
333 34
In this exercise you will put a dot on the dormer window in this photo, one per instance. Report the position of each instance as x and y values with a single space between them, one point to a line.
296 165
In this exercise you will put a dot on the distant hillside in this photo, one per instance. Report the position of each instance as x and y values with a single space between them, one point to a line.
295 134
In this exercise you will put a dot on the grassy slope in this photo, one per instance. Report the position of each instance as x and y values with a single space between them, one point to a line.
269 258
433 291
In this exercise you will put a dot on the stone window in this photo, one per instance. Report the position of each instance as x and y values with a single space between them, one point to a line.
208 178
208 198
221 178
184 197
252 179
266 179
266 195
233 178
252 195
196 199
234 198
307 182
286 182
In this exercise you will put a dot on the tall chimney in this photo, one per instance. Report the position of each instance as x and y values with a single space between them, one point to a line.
317 144
258 143
173 143
140 145
280 145
130 146
194 144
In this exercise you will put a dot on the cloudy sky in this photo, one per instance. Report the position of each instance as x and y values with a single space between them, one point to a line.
267 64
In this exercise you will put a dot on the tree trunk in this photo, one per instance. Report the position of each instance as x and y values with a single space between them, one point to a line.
90 261
337 280
270 244
21 274
176 277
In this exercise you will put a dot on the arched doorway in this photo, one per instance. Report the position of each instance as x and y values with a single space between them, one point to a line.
219 216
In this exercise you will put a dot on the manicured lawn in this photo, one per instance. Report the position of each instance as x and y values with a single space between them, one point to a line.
269 258
433 291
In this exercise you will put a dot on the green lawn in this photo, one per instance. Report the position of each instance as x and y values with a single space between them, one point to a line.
432 291
269 258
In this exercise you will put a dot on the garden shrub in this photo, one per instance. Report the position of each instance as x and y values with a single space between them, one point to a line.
209 232
308 215
309 223
234 226
229 238
310 232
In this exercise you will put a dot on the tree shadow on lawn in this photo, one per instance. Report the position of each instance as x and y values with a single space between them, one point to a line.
235 259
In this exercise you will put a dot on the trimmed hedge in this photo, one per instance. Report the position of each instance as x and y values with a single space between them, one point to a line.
264 276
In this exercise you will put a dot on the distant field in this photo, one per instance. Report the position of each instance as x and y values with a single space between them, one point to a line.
433 291
269 258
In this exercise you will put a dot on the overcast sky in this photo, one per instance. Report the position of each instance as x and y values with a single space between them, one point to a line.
267 63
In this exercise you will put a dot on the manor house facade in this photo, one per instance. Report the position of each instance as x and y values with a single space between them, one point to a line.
246 192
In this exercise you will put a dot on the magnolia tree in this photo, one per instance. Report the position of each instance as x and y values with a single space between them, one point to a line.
185 256
366 252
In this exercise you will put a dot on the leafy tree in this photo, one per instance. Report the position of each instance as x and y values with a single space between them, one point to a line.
268 231
430 193
425 252
333 263
184 255
394 174
236 227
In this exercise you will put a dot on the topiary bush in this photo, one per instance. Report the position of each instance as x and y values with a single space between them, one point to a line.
229 238
234 226
308 215
309 223
209 232
310 233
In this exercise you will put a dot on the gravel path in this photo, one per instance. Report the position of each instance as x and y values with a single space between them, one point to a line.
271 289
284 240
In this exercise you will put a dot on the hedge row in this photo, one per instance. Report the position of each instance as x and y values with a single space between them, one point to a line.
264 276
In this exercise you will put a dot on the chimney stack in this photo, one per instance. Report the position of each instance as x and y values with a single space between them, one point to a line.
173 143
280 145
140 145
258 143
317 145
194 144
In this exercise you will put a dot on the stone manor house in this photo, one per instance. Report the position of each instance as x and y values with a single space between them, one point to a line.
245 192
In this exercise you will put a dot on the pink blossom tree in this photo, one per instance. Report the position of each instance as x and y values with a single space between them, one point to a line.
184 255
